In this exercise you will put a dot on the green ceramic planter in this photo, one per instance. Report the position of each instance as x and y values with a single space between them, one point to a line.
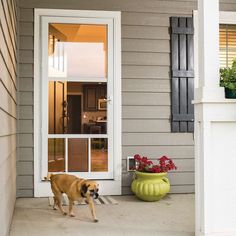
230 93
150 186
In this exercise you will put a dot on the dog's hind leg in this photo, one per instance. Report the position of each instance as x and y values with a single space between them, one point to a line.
59 204
57 198
55 203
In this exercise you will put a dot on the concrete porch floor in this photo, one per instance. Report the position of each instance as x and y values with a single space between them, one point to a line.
172 216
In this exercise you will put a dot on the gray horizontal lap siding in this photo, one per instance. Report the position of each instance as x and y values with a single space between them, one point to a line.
8 111
145 85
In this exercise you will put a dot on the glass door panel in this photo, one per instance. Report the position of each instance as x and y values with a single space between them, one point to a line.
56 155
78 155
57 102
99 154
77 108
77 50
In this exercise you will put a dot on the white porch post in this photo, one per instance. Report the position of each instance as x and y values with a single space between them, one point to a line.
215 133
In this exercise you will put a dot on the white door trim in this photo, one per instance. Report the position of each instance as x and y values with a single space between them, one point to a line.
112 187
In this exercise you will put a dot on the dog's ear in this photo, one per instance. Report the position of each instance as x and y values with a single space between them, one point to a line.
84 188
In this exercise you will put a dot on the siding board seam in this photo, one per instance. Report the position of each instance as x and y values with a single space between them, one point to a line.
8 70
138 65
9 53
26 50
8 25
13 26
149 92
1 136
154 39
137 11
8 30
20 188
25 146
13 6
182 185
9 155
26 133
127 64
126 11
141 119
158 145
147 52
14 16
159 26
127 105
7 135
12 83
146 78
8 113
26 161
9 93
125 37
161 13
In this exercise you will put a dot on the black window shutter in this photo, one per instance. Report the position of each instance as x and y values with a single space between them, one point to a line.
182 74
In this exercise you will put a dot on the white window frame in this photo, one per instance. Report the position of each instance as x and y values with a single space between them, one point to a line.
226 17
111 186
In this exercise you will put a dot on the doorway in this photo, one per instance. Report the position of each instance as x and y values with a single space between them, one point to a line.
74 114
79 103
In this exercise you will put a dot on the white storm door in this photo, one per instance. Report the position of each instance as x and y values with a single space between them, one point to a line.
76 96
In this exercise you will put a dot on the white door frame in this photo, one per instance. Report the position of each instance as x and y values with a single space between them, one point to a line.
113 186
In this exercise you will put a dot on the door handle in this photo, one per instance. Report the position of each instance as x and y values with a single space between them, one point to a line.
107 99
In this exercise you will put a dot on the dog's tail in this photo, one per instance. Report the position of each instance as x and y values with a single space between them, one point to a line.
48 177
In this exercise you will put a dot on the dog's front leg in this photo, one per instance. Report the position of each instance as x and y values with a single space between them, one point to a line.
91 206
71 203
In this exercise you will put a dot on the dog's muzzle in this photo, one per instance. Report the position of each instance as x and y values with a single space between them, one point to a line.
94 195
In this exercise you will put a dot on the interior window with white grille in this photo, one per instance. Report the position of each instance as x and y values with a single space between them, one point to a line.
227 45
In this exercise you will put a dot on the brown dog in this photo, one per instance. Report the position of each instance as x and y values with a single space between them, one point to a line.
76 189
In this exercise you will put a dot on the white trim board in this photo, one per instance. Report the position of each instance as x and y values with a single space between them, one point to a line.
214 125
111 187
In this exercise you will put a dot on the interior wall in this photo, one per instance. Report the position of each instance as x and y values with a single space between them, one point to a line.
8 111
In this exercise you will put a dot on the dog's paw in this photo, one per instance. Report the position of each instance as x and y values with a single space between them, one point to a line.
64 213
54 208
72 215
95 220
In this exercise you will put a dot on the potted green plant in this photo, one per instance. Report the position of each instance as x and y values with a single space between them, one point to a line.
228 80
150 182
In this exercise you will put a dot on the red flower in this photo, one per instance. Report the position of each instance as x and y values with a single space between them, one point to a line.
143 164
137 157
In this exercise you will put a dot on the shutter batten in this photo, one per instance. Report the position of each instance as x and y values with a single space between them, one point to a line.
182 75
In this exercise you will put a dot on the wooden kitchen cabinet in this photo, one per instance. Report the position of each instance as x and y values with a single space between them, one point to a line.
102 91
91 94
90 97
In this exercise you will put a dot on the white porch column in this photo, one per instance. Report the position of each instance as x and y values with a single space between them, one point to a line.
215 133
